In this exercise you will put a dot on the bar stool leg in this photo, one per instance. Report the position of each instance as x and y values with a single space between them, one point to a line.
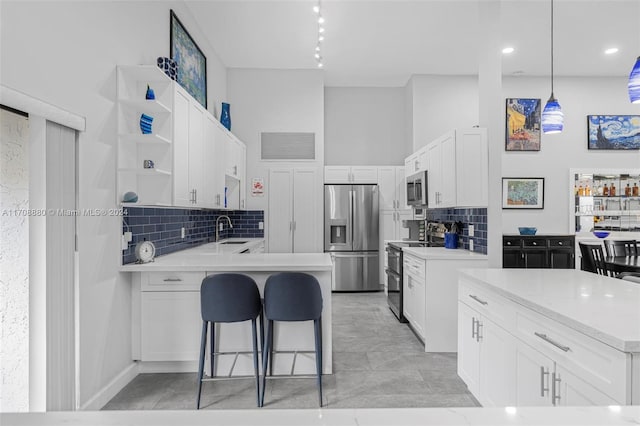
203 344
265 359
255 360
212 344
318 334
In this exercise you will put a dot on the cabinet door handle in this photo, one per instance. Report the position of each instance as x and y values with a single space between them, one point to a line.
559 243
195 196
544 384
478 327
508 243
555 388
172 280
534 243
553 342
473 328
477 299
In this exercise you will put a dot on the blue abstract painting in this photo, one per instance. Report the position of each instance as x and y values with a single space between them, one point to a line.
192 64
614 131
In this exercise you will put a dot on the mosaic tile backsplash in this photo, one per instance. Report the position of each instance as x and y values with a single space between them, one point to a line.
163 227
476 217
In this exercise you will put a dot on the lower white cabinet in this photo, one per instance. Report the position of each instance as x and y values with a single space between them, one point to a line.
511 355
413 294
486 358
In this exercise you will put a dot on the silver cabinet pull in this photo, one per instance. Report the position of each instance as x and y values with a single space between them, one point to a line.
477 299
172 280
544 385
553 342
478 327
473 328
508 243
555 388
559 243
534 243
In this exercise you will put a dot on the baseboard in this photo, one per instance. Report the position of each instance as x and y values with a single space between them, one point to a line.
105 394
168 367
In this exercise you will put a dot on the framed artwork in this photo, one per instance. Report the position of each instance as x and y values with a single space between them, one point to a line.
619 132
522 124
522 193
192 64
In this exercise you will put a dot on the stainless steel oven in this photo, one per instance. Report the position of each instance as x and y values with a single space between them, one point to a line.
434 238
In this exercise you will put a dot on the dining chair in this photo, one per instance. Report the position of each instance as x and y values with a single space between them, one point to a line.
593 259
630 276
621 247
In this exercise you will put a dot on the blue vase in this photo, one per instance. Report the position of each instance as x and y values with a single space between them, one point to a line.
225 116
150 95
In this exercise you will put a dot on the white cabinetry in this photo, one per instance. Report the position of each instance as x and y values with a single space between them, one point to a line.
413 295
153 185
236 153
511 355
214 179
350 174
457 168
393 209
485 356
295 210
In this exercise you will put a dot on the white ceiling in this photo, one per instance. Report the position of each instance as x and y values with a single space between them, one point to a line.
382 43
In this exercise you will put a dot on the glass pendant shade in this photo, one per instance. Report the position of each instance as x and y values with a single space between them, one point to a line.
552 116
634 83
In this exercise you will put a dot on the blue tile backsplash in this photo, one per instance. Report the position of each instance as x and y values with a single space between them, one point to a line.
476 217
163 227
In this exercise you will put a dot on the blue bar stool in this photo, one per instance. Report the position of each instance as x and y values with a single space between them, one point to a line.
292 296
228 298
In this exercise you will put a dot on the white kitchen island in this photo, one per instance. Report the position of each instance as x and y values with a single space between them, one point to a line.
166 317
543 337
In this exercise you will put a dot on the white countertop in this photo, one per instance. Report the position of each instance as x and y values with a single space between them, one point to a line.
443 253
523 416
226 257
606 309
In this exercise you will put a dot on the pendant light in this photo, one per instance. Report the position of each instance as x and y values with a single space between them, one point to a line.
634 83
552 117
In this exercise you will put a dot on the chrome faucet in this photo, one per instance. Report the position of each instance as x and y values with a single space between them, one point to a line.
218 226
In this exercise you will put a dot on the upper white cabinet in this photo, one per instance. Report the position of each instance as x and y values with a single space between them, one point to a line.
441 171
196 161
457 168
153 185
391 185
351 174
472 168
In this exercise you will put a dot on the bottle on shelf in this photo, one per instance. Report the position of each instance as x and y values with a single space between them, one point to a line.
634 190
612 190
587 191
580 191
605 190
627 190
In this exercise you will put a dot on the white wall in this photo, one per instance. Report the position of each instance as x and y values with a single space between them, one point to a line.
365 126
275 101
14 263
558 153
65 53
442 103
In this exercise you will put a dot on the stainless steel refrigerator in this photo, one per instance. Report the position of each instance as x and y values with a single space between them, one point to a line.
351 236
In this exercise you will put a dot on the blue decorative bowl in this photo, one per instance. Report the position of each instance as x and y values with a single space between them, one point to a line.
601 234
527 230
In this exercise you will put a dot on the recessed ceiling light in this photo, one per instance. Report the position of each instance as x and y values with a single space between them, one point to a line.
611 50
316 9
508 50
321 20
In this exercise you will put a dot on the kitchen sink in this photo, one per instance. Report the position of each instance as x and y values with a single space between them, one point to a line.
233 242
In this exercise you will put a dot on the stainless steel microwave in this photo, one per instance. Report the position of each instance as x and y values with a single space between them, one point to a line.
417 189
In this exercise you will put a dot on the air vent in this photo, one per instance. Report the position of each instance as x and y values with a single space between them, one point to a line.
288 146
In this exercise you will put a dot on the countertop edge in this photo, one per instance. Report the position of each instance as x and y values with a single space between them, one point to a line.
621 345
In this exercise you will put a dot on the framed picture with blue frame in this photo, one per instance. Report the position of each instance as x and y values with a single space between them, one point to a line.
613 132
192 64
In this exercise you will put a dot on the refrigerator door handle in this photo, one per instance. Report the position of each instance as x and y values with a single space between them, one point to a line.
353 254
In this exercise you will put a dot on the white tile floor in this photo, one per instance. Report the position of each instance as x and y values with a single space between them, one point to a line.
377 361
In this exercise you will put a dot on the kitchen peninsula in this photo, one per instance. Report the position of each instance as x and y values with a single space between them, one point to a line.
166 320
